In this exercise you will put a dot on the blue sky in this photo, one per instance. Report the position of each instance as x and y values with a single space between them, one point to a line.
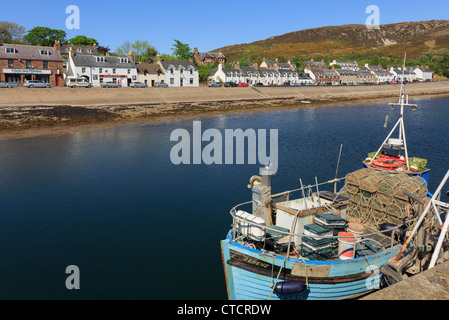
208 24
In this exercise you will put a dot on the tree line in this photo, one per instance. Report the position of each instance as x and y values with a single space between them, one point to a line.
13 33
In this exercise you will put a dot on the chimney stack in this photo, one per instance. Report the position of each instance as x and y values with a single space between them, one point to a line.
159 58
130 56
57 45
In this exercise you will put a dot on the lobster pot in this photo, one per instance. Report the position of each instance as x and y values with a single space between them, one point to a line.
345 192
253 228
417 186
404 205
389 186
379 215
351 189
395 210
377 204
371 183
354 178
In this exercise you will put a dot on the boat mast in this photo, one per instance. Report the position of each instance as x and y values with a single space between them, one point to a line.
402 102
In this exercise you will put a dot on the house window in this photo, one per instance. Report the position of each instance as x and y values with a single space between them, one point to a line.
171 70
101 80
83 70
172 80
43 52
100 59
10 50
191 71
100 70
45 65
10 63
95 77
124 60
28 64
129 71
113 71
191 80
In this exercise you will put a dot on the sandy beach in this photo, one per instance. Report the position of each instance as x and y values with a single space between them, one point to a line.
25 111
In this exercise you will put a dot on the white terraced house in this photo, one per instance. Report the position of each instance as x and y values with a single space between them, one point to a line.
179 73
98 69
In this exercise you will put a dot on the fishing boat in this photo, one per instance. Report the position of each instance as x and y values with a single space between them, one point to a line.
392 154
316 246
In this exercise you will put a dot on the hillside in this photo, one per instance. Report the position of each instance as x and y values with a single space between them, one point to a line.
391 40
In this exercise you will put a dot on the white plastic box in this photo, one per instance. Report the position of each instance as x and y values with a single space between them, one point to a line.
254 229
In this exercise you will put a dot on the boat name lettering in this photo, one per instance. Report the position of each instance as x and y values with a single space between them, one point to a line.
256 262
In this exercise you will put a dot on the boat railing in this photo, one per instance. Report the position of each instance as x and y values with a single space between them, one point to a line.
391 233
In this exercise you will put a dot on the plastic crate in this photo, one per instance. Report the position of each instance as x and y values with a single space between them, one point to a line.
318 253
328 220
316 243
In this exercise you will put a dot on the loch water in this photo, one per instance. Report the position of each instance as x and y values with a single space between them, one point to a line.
111 202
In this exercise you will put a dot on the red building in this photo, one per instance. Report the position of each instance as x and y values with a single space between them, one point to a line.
205 58
19 63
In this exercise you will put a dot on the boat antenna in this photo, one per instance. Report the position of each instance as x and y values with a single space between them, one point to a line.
402 142
336 171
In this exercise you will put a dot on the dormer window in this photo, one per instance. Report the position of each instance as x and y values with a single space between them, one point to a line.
10 50
43 52
100 59
124 60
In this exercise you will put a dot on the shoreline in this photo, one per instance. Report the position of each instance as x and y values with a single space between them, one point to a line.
32 112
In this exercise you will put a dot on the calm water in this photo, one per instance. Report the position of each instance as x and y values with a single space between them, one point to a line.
138 227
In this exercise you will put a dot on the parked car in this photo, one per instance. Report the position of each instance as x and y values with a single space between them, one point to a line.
78 82
230 84
259 84
37 84
8 84
215 84
111 85
161 85
138 85
243 84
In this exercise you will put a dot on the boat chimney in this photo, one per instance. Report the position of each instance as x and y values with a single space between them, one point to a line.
262 206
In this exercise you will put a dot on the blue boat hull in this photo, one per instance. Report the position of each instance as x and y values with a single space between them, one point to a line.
251 274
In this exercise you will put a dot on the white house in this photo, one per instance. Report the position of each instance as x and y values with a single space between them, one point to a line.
354 66
179 73
382 76
423 74
228 75
405 74
98 69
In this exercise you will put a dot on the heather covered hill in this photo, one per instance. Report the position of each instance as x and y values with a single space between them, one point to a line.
390 40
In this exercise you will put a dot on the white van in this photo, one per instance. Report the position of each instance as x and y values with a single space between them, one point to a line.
74 82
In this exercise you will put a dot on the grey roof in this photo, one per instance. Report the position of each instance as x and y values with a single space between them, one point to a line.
109 61
177 64
268 71
227 71
204 55
78 49
29 52
250 71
